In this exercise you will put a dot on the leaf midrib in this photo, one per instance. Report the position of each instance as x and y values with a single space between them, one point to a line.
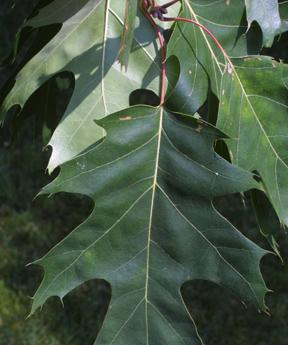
151 219
154 186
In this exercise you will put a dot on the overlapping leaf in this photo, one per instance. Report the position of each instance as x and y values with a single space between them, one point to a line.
153 227
267 220
254 111
198 55
56 12
266 13
87 45
153 178
253 104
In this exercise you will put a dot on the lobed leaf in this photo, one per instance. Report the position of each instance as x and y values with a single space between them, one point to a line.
266 13
87 45
153 227
253 102
253 112
198 56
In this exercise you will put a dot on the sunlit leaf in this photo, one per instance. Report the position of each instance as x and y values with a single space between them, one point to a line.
87 45
128 31
253 102
266 13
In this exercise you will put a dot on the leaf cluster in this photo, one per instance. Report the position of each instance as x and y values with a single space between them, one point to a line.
152 171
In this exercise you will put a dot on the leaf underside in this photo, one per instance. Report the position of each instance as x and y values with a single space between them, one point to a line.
87 45
266 13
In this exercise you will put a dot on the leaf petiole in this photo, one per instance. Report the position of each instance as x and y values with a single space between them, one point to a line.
151 11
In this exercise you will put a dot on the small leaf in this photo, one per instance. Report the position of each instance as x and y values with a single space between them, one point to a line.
153 227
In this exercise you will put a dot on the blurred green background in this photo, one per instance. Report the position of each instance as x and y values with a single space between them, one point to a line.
28 228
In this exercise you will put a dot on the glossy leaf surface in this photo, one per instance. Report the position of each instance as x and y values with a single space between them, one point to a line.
153 227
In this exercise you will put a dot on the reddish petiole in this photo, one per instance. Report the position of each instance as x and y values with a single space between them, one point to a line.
151 11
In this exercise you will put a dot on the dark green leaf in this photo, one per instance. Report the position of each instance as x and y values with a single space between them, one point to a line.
153 227
266 218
